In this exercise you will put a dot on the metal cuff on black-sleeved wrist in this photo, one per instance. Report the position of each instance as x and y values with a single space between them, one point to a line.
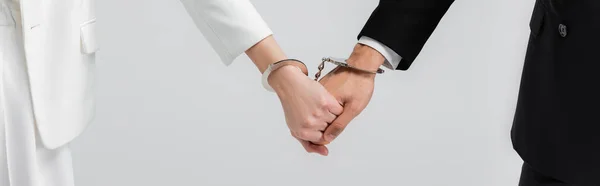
341 62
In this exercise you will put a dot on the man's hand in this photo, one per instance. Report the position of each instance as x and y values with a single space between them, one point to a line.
308 107
352 88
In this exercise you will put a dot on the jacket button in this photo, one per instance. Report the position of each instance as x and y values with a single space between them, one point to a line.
562 30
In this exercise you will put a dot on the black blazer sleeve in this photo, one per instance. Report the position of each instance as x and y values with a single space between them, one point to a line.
405 25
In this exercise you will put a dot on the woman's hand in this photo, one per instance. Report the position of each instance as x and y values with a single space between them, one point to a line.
308 107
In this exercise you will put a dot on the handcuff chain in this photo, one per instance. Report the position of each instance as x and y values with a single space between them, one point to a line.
342 64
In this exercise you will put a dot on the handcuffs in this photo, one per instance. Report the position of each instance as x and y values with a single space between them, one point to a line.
336 61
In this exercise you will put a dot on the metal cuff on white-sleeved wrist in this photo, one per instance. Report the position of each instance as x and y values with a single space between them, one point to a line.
274 66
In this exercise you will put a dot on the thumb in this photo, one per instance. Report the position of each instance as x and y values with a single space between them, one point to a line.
339 124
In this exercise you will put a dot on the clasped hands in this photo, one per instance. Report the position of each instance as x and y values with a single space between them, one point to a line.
317 112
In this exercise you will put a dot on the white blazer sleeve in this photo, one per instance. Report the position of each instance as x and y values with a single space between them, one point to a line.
230 26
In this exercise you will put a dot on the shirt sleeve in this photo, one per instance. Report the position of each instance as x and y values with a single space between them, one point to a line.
392 59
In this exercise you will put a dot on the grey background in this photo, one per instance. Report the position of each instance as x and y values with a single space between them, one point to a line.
170 113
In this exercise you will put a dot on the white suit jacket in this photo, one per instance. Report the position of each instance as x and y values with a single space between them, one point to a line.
60 47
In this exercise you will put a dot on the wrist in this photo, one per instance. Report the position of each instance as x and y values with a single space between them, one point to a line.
265 52
281 78
365 57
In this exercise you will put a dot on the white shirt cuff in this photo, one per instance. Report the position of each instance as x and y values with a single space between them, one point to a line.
392 59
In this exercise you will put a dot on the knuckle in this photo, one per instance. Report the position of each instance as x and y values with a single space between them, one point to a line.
305 134
323 101
311 125
307 122
302 134
317 113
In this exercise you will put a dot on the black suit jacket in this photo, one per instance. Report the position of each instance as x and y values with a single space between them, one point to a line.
556 128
